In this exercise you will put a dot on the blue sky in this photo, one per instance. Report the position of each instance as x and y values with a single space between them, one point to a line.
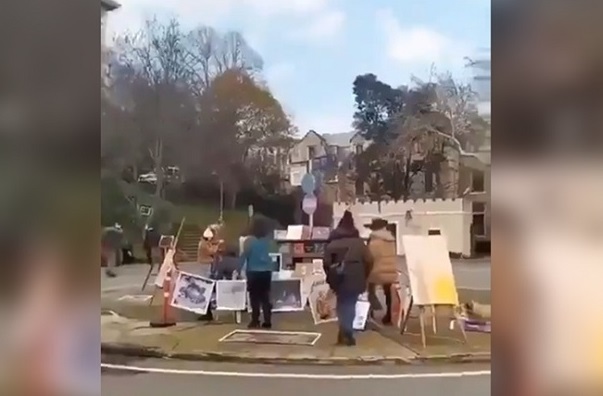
313 49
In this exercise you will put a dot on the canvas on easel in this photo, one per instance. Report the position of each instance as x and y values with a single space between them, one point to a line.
430 276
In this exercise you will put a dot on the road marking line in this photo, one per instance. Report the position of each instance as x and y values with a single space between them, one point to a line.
155 370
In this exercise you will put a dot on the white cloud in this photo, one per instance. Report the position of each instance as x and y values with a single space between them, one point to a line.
132 13
323 28
417 44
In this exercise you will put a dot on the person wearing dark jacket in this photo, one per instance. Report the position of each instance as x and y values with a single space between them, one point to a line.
347 264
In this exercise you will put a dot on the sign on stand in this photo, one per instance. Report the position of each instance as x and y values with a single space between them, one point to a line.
309 204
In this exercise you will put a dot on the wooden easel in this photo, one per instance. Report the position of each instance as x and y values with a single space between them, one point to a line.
422 311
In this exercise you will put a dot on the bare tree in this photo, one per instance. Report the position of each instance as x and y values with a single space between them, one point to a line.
158 89
214 53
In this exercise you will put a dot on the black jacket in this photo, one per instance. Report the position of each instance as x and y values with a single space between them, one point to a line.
347 246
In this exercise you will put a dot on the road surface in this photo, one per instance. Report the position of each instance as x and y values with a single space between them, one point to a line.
469 274
219 379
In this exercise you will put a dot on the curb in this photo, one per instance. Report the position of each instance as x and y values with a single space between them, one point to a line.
300 360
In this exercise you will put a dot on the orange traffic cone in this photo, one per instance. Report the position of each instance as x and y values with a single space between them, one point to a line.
167 318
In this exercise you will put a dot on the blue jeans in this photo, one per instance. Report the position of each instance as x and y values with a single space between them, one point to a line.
346 311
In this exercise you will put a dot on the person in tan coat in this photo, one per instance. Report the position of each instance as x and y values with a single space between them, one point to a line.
382 246
208 246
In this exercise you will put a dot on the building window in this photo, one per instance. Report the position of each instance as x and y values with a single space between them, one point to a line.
359 149
431 180
478 183
311 152
479 218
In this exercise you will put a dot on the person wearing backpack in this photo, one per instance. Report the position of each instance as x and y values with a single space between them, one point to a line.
347 264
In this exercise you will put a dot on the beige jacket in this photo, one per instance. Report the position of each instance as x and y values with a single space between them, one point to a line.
382 245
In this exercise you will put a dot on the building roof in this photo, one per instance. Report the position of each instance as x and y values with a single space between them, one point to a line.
110 5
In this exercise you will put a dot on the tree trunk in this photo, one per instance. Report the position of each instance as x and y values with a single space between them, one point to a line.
232 204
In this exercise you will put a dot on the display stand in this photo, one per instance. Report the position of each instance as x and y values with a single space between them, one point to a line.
434 309
300 251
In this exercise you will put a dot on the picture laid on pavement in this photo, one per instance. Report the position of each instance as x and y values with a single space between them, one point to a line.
286 295
231 295
323 303
272 337
140 298
192 293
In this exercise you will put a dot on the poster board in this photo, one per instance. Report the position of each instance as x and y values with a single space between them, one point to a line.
231 295
323 303
286 295
430 270
192 293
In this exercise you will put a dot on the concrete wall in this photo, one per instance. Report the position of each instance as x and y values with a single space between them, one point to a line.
451 216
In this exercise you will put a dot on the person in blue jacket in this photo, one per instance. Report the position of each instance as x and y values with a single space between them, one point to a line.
258 269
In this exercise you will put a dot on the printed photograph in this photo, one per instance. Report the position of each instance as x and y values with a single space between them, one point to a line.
231 295
192 293
323 303
286 295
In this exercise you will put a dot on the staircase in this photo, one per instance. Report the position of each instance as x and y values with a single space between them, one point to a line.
189 241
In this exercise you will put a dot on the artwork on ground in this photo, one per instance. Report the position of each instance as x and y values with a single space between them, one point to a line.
192 293
272 337
430 270
138 298
277 261
323 303
286 295
231 295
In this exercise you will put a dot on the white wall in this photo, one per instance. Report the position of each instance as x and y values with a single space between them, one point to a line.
451 216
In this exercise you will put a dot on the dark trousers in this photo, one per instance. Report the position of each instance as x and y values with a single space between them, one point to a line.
374 300
258 286
346 311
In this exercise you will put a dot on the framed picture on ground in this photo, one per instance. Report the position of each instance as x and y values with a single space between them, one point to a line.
192 293
323 303
231 295
286 295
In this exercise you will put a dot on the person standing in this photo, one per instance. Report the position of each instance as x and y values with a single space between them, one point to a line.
258 270
208 247
112 242
382 245
347 264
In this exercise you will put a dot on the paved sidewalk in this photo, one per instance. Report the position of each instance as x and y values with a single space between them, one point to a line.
194 340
